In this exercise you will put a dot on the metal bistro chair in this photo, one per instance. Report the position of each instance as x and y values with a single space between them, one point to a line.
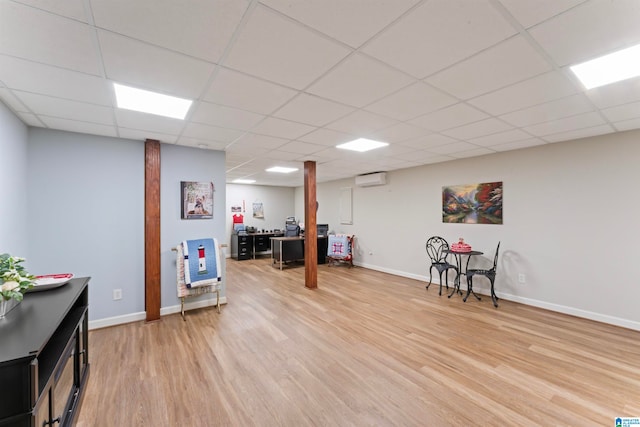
489 274
436 247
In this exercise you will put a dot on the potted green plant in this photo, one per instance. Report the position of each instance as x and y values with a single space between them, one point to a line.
14 282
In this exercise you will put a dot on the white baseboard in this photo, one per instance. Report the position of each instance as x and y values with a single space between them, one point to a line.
164 311
481 290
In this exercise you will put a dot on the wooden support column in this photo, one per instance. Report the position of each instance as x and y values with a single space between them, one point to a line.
310 229
152 229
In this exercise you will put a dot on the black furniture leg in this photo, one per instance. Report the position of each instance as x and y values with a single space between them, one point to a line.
430 270
470 289
494 297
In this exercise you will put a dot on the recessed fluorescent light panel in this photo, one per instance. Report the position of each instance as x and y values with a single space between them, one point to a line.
621 65
362 145
281 169
130 98
243 181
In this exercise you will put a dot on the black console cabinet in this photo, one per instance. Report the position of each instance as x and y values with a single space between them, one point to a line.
44 359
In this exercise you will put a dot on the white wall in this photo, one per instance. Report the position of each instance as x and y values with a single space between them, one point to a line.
188 164
278 204
568 223
85 213
13 179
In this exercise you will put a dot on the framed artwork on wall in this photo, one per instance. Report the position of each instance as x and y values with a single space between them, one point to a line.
472 203
258 210
197 200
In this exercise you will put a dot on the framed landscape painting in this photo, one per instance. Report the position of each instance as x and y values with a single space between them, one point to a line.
472 203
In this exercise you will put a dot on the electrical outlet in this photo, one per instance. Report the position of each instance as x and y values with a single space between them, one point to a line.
522 279
117 294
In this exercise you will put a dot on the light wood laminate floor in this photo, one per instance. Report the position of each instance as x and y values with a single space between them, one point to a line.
364 349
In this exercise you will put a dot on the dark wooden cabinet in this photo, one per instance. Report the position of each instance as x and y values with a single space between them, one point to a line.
247 246
44 358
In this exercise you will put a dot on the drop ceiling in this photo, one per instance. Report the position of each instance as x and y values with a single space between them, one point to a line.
278 82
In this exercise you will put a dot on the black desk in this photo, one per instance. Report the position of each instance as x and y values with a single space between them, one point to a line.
458 256
284 249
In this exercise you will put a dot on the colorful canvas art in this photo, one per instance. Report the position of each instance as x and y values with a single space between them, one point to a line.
472 203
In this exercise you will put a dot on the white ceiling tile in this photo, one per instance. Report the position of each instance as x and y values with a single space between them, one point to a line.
509 62
361 123
73 9
148 67
66 109
579 133
253 141
201 143
439 33
327 137
454 147
218 115
202 29
238 90
279 50
500 138
399 132
28 33
411 101
282 155
529 13
149 122
553 110
301 148
313 110
211 133
627 124
358 81
423 156
566 124
472 153
622 112
30 119
478 129
543 88
282 128
515 145
449 117
616 93
352 22
47 80
589 30
428 141
80 127
142 135
11 100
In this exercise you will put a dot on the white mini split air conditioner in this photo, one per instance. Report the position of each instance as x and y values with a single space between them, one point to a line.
371 179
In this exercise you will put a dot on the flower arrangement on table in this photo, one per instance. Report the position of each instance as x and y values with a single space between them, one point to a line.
14 279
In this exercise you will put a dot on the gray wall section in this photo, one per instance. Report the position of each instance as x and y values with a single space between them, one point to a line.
86 214
14 172
188 164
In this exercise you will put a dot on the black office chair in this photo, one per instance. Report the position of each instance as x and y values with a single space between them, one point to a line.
291 230
489 274
436 247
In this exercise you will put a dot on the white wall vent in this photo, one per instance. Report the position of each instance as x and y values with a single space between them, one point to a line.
371 179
